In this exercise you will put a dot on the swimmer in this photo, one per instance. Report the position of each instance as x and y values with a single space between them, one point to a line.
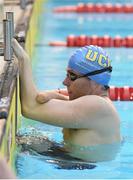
90 122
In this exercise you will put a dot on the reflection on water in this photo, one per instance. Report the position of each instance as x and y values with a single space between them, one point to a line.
54 153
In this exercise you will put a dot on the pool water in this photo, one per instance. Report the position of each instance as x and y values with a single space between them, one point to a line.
49 64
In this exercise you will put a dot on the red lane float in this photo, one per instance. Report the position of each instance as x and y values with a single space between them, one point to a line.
126 93
105 41
113 93
121 93
95 8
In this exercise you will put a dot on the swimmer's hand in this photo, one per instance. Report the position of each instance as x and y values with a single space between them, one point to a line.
43 97
19 52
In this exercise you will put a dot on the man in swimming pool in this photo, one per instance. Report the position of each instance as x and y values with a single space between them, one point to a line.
89 120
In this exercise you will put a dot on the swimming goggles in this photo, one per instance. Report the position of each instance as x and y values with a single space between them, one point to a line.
73 76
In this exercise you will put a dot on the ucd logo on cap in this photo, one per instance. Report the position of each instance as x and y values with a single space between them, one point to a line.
102 60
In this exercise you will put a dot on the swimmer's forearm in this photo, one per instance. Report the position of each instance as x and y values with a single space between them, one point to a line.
43 97
27 86
28 89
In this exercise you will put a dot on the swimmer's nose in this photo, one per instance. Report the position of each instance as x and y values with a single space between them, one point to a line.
66 81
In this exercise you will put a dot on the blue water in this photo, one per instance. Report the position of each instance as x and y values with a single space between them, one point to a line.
49 64
86 24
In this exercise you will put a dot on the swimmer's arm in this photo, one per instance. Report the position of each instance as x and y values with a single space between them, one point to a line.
76 114
43 97
28 90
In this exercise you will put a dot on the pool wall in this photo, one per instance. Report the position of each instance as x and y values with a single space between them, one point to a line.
9 111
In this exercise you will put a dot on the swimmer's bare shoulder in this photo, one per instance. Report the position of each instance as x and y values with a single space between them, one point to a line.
99 109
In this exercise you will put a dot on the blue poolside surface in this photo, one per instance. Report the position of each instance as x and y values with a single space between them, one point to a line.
49 65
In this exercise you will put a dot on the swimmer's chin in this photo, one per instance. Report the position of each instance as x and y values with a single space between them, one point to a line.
71 97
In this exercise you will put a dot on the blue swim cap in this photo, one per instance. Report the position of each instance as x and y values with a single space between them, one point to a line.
88 59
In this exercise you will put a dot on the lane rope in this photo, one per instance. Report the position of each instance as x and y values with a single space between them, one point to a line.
124 93
103 41
95 8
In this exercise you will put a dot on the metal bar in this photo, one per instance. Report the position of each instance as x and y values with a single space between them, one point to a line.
7 40
10 16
